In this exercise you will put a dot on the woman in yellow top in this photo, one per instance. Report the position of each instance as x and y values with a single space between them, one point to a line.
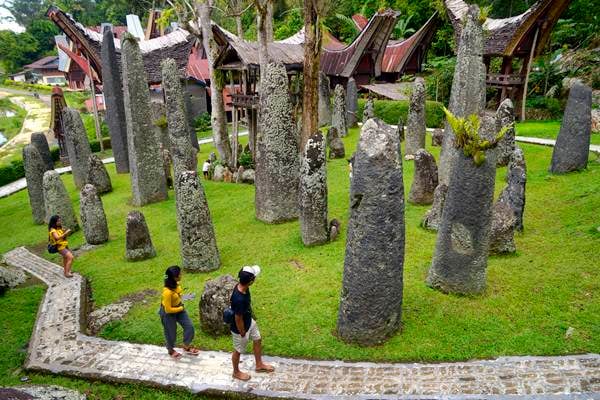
172 313
58 236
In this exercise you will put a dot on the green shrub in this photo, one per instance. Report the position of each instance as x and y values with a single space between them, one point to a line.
550 104
245 160
28 86
202 122
11 172
390 110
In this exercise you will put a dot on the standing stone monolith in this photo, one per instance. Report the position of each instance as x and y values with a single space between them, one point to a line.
505 116
98 176
514 193
313 192
40 142
113 99
432 218
369 111
502 231
461 250
467 95
437 137
425 179
198 245
416 129
78 146
277 159
335 144
34 175
189 110
400 128
93 219
138 244
572 147
324 100
57 201
338 119
216 298
371 300
351 103
148 181
182 151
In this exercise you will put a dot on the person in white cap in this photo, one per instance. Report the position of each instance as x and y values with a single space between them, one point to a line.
243 327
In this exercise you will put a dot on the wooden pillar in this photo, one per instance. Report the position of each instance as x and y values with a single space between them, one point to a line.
528 70
506 69
95 106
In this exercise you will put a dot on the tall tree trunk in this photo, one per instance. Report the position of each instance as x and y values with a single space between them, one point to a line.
269 21
240 28
261 27
312 50
218 116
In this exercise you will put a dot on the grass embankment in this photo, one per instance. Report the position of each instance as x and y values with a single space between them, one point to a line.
532 297
547 130
10 126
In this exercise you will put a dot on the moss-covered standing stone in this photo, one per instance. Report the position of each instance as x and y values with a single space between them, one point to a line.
338 119
98 176
34 174
40 142
415 130
78 146
93 219
58 202
313 192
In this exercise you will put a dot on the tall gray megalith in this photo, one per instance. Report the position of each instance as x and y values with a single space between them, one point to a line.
40 142
57 201
98 176
113 100
514 192
371 300
182 150
148 181
324 100
93 219
313 192
138 243
338 119
198 244
505 116
572 147
34 175
416 129
277 156
351 103
461 251
78 146
467 95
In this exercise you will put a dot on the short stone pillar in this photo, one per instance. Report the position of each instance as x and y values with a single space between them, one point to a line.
338 119
416 129
351 103
437 137
98 176
138 244
198 245
369 111
215 298
324 100
34 174
313 192
148 181
505 116
425 179
514 193
335 144
572 147
40 142
502 231
277 158
371 300
57 201
78 146
93 219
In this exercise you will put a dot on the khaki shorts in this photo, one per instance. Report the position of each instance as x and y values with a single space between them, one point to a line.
240 343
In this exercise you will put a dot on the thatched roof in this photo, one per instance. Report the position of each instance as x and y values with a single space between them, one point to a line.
393 91
241 54
513 36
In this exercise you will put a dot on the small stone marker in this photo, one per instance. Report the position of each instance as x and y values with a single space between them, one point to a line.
371 300
514 193
138 242
432 218
215 298
338 119
240 175
572 147
351 104
93 219
57 201
502 232
425 179
437 137
415 130
324 100
218 173
248 176
34 175
39 141
98 176
198 247
505 115
369 111
277 160
227 176
335 143
313 192
78 146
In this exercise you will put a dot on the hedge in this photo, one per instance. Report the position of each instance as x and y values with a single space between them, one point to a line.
15 170
390 110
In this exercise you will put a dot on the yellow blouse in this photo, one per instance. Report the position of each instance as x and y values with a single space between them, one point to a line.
171 300
61 243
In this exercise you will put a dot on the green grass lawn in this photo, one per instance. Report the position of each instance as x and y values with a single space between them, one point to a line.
10 126
546 130
533 297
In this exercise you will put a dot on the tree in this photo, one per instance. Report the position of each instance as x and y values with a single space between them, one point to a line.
401 30
43 30
17 50
24 12
262 26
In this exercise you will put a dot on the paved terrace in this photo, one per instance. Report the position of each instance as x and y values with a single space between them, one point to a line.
58 346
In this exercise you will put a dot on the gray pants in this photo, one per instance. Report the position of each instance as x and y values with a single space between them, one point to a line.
170 321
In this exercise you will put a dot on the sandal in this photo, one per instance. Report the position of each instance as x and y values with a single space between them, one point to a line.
175 355
191 350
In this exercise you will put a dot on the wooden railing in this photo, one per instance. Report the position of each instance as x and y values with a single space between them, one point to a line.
505 80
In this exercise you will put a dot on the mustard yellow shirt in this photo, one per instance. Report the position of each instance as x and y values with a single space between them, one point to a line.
61 243
171 300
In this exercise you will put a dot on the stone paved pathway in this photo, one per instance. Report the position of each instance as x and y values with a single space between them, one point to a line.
58 346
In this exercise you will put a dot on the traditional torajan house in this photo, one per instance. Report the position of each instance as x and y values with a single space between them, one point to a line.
46 70
516 41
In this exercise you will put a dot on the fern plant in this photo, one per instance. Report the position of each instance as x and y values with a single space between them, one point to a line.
467 138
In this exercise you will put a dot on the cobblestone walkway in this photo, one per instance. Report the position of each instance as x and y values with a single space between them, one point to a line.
58 346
